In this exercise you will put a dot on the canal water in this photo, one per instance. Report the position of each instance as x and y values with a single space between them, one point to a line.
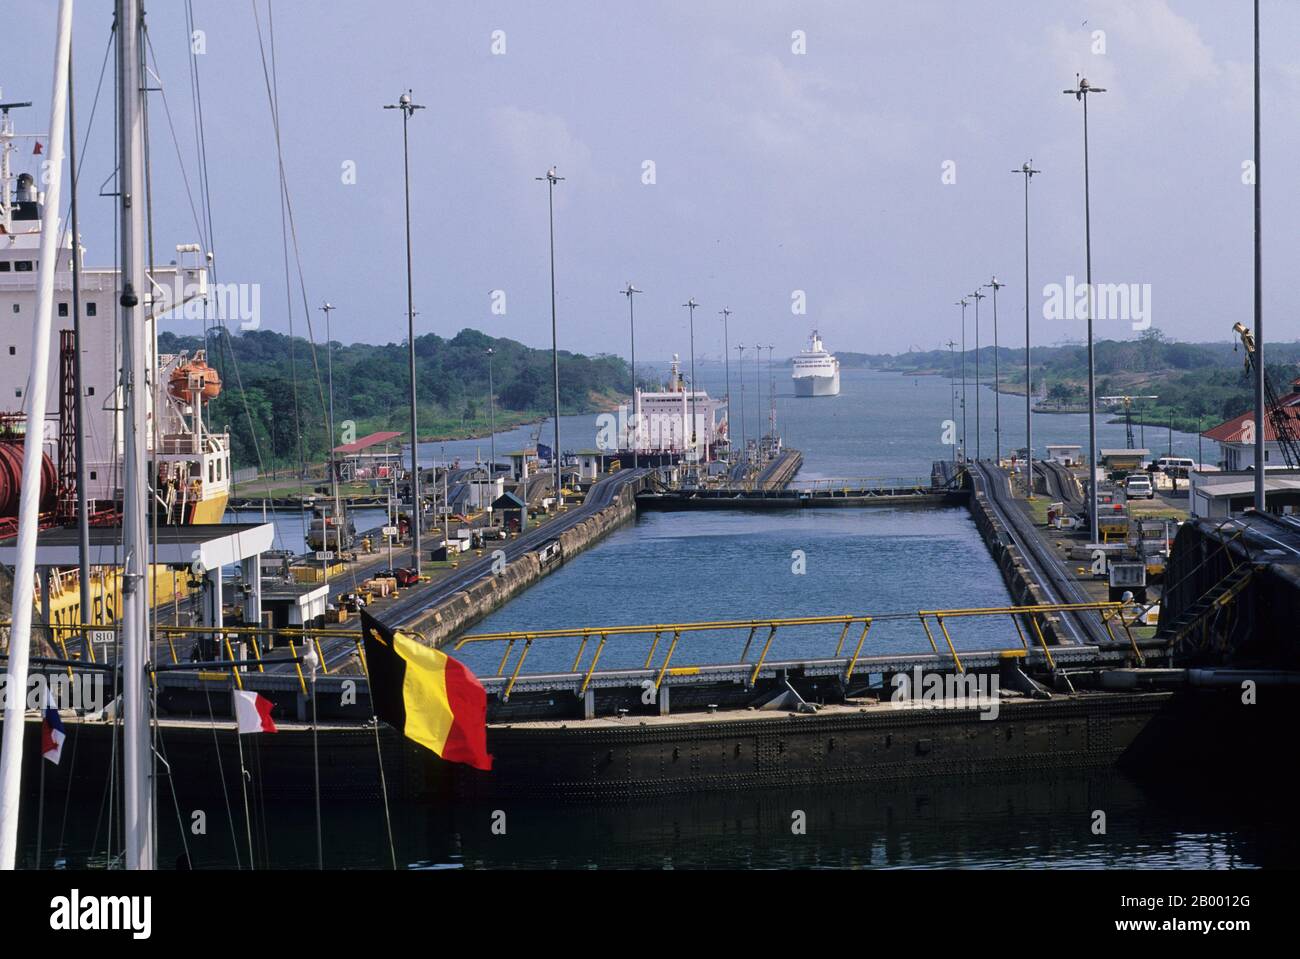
1009 821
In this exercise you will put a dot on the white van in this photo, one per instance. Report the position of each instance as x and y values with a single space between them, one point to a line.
1138 486
1178 466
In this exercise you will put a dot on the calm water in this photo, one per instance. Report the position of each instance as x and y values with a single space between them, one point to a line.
1005 822
678 567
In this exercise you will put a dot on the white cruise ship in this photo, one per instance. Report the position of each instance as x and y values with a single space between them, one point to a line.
816 372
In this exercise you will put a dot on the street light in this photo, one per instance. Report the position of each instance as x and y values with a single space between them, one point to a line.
417 519
551 179
952 391
1028 171
977 296
327 309
994 285
691 305
771 382
1080 93
964 446
492 426
744 446
1259 303
726 357
630 292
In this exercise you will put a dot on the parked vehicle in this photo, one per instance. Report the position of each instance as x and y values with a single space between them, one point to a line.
1177 466
1139 487
403 575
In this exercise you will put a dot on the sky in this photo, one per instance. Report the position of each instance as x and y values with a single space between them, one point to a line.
852 158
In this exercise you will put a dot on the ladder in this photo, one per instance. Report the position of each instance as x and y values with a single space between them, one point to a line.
1190 632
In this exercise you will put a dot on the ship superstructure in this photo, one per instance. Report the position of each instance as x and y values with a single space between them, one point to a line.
816 372
193 462
665 421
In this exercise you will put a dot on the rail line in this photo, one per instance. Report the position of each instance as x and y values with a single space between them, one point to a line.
1060 485
1059 586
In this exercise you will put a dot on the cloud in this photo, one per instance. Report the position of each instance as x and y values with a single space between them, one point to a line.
537 141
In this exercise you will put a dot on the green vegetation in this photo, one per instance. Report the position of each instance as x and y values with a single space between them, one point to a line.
1197 384
372 389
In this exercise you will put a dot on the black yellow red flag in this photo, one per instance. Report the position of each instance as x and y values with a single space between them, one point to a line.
428 696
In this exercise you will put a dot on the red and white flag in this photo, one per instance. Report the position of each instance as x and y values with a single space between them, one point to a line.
253 712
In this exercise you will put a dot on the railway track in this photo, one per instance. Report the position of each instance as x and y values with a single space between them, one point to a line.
601 495
1058 585
1059 483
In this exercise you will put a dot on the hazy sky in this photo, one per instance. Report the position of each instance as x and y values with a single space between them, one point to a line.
775 171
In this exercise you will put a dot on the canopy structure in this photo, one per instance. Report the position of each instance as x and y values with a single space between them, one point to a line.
374 439
201 547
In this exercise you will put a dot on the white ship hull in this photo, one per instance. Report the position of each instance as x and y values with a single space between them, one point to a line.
817 385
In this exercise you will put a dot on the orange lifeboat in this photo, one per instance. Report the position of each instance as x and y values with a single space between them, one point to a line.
194 380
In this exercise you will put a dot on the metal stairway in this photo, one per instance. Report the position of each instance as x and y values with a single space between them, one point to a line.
1190 632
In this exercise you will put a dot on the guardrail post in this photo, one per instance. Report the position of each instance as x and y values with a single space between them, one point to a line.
1051 664
771 634
528 644
839 647
951 648
853 664
677 634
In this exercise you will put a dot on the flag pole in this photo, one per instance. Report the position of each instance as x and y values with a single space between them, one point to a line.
24 573
243 785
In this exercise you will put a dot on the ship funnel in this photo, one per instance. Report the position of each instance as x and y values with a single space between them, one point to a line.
26 192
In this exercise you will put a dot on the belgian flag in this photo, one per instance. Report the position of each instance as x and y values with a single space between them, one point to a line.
428 696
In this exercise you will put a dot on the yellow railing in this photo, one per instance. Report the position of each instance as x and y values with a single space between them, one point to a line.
60 632
859 624
1108 612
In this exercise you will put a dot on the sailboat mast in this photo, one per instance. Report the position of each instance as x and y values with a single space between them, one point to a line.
137 782
11 751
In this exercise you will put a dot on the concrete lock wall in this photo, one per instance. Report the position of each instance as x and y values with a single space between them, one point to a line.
1024 588
440 623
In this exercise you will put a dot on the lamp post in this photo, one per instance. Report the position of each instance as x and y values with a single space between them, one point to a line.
771 383
1259 301
492 426
691 305
994 285
726 357
408 109
744 446
977 296
1080 93
630 292
1027 171
328 308
551 179
964 446
952 392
